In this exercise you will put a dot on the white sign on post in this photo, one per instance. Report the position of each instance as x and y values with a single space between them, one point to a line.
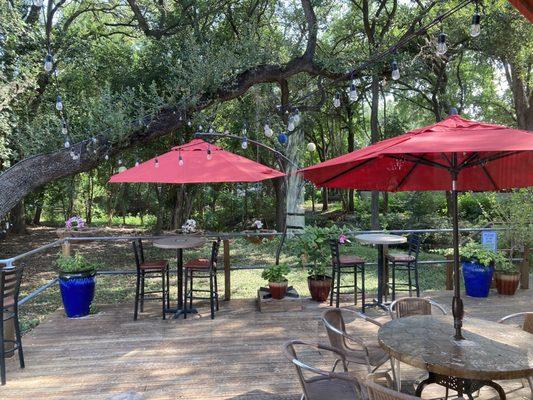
489 240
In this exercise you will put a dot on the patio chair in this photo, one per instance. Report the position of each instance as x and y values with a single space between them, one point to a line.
203 268
355 349
408 306
344 265
376 391
147 270
319 384
406 263
527 325
9 296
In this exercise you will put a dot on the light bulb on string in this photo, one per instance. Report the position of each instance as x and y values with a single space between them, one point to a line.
442 48
395 74
268 130
189 123
475 28
67 143
59 103
311 147
180 161
282 138
296 118
290 124
64 128
137 163
337 101
94 140
352 92
106 157
156 163
209 155
244 142
72 154
119 161
211 130
48 63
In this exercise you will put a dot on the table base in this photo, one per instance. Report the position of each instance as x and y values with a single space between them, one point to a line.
177 312
460 385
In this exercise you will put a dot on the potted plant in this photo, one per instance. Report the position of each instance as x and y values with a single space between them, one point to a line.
276 275
507 277
477 263
314 253
257 226
77 279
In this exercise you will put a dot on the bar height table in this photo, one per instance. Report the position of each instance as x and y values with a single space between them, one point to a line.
381 240
179 243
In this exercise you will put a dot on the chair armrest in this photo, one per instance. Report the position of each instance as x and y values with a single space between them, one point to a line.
511 316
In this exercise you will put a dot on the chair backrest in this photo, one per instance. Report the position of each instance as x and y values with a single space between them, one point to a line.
214 254
10 279
335 253
139 252
335 327
375 391
414 242
408 306
527 324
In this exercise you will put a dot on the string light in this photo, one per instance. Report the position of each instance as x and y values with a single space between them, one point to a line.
244 142
180 160
268 131
442 48
59 103
64 128
106 157
395 74
311 147
209 155
337 101
475 28
137 163
296 118
67 143
48 63
290 124
282 138
352 93
156 163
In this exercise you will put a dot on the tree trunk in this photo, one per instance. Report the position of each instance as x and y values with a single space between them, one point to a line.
325 199
90 198
522 96
18 218
374 138
280 191
38 209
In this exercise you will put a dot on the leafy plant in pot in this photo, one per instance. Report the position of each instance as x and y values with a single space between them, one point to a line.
477 263
77 280
314 253
507 277
276 275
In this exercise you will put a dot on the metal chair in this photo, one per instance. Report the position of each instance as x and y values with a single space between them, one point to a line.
322 384
352 265
355 349
10 279
375 391
406 263
150 269
527 326
202 268
408 306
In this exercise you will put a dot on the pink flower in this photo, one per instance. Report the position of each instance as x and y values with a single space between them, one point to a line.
343 239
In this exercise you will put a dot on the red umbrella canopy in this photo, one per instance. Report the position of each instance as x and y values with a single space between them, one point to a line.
525 7
484 156
202 163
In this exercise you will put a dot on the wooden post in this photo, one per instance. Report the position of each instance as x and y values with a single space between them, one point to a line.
65 247
385 272
524 270
227 271
449 273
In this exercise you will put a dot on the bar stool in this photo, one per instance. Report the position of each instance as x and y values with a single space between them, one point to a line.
352 265
150 270
202 268
406 263
9 295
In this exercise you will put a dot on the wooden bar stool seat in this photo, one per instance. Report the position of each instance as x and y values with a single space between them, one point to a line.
351 260
156 265
198 263
400 257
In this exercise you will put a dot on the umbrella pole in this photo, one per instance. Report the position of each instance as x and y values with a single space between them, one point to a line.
457 302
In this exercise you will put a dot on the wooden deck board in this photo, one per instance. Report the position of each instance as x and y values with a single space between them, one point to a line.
236 356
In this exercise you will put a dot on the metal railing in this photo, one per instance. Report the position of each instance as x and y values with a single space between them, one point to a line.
9 262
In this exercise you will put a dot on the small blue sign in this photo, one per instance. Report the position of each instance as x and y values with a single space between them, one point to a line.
489 239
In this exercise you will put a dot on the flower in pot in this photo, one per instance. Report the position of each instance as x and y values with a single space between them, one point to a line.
74 223
507 277
478 267
314 253
77 279
189 226
276 275
257 226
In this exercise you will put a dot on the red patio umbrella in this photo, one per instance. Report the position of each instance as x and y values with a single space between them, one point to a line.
455 154
197 162
525 7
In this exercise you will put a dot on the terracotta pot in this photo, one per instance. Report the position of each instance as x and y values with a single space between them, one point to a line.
259 239
507 284
278 290
319 288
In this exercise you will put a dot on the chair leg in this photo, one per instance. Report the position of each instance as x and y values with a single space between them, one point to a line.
393 280
216 289
211 296
137 288
409 280
363 295
185 294
191 290
163 285
2 355
142 291
18 336
168 286
417 284
332 286
338 294
355 285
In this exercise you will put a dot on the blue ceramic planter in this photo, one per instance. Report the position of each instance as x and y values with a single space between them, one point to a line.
477 278
77 292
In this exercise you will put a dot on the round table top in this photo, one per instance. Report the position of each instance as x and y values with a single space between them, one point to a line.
381 238
491 351
180 242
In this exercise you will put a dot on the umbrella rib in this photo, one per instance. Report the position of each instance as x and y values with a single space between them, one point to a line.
400 184
419 159
346 171
492 158
488 175
467 160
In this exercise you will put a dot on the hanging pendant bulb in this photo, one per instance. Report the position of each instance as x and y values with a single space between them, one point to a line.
244 143
211 130
48 63
106 157
282 138
94 140
156 163
72 154
290 124
442 48
395 75
296 118
67 143
119 162
352 92
311 147
337 101
209 155
180 161
59 103
137 163
268 131
475 28
64 129
189 123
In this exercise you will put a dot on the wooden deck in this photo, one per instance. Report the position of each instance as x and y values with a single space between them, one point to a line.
236 356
